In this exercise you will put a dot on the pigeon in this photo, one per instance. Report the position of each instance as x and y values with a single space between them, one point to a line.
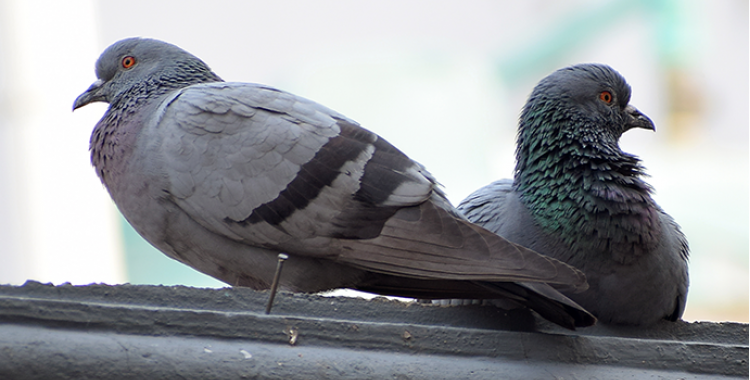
226 176
577 197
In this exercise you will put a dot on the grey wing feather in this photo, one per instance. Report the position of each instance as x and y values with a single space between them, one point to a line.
235 148
423 241
676 242
487 205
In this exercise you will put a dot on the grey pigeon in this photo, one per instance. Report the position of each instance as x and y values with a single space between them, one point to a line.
225 176
576 196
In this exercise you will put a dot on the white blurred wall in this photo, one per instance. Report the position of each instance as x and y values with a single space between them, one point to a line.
56 222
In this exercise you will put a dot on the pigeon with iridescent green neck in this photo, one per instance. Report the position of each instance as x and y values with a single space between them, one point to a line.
576 196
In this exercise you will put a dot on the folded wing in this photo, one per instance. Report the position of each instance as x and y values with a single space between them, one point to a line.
271 169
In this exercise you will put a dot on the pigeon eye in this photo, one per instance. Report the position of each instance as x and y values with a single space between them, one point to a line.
128 62
606 97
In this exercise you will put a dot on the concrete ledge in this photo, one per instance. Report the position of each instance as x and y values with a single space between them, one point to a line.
127 331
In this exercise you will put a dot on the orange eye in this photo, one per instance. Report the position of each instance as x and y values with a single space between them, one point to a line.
606 97
128 62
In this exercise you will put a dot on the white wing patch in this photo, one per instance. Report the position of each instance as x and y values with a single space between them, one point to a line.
410 192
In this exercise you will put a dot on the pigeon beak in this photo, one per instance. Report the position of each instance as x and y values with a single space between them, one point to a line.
93 94
635 119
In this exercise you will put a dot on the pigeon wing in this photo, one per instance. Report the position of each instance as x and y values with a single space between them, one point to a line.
271 169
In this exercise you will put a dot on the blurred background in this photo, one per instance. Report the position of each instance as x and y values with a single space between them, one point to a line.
444 81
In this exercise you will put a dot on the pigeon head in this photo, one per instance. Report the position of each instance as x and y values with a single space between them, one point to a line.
144 67
580 110
586 102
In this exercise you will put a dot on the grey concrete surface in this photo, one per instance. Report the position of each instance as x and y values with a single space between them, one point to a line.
126 331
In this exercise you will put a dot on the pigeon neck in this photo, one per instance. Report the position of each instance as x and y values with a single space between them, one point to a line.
590 195
112 142
114 136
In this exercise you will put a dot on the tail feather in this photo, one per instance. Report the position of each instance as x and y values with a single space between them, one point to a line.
545 300
542 298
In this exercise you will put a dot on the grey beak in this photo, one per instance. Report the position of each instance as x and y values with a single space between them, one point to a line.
635 119
93 94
